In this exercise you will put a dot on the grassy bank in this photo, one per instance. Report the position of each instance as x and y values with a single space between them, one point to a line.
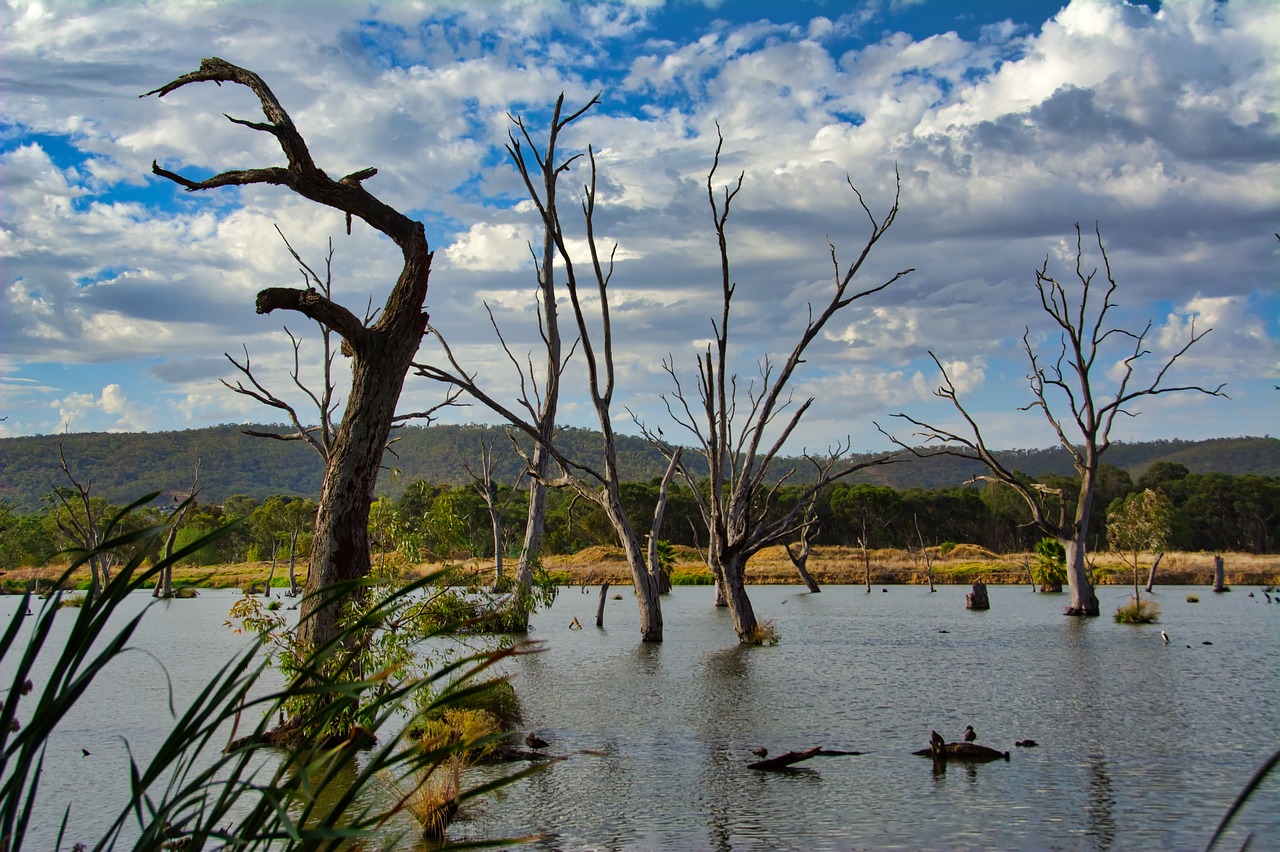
963 564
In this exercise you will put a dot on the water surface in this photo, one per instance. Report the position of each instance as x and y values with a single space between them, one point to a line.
1142 745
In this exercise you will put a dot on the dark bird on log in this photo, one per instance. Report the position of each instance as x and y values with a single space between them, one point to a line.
1165 637
970 734
84 752
534 741
760 751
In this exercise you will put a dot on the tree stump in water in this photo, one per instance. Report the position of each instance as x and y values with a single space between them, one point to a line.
604 590
1219 577
977 599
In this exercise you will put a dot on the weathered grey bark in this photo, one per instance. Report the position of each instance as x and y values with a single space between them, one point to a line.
928 557
1151 576
1219 575
737 502
977 599
381 353
1084 326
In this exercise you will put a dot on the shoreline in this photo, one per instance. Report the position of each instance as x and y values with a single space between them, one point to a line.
829 566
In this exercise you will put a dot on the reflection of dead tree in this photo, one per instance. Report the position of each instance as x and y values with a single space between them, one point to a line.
740 445
484 485
381 351
1071 383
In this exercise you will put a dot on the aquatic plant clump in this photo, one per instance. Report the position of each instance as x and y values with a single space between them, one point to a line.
1137 611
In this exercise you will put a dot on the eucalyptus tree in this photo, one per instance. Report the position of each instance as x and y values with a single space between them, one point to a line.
741 432
381 350
1140 521
1068 390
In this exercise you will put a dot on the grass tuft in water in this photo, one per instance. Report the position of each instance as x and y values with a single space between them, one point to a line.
1137 611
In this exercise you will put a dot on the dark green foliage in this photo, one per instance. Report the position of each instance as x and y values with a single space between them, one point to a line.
1050 567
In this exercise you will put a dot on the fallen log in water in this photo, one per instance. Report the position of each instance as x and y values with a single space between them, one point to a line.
782 761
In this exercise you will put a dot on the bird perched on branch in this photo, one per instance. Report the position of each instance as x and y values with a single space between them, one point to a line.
534 741
760 751
970 734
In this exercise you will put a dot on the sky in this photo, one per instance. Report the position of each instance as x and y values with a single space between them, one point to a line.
1008 122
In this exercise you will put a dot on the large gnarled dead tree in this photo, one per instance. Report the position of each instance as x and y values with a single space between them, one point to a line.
740 444
381 352
1068 394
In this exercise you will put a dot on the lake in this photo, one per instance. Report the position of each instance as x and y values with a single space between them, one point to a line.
1142 745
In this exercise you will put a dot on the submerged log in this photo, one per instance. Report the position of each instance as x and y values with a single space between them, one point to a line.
782 761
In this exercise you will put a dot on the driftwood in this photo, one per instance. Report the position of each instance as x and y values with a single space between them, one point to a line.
939 749
782 761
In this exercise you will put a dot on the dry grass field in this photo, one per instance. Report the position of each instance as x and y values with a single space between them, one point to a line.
964 564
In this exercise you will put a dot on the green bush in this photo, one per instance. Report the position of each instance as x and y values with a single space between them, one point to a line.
946 547
1050 568
692 577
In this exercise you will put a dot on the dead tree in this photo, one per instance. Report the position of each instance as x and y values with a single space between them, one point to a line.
601 482
544 401
740 445
86 527
381 351
1070 385
164 583
485 486
807 531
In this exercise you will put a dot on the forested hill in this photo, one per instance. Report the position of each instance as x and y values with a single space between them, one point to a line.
123 466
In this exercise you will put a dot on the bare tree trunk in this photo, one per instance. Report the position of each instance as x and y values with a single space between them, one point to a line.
740 609
1219 576
799 559
1083 600
1151 576
604 593
661 578
293 563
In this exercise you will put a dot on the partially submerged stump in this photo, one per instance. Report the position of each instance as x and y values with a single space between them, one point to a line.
939 749
783 761
977 599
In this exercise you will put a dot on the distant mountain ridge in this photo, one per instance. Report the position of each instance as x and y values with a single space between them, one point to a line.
123 466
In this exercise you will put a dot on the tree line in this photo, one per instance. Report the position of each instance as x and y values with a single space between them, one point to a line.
437 521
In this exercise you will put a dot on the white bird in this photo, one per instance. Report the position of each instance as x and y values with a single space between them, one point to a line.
1165 637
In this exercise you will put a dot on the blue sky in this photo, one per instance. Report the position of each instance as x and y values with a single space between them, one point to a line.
1009 122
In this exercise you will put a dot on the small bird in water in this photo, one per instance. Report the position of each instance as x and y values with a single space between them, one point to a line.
1165 637
534 741
84 752
970 734
760 751
1026 743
